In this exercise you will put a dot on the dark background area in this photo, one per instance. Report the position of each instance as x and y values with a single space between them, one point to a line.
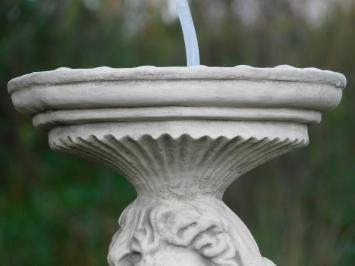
57 209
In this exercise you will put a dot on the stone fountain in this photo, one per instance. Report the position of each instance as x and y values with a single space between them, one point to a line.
181 136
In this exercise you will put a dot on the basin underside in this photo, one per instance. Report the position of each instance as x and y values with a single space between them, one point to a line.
183 158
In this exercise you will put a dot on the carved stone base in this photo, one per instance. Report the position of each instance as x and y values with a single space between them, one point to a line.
181 136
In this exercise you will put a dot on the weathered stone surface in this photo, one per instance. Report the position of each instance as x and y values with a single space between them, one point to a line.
181 136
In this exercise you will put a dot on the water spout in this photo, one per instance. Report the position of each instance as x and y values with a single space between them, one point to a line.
189 32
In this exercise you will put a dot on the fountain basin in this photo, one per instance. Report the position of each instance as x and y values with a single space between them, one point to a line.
181 136
200 86
195 107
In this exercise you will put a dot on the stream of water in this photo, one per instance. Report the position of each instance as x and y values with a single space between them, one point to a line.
189 32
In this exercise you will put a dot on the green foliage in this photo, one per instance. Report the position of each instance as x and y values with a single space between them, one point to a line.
60 210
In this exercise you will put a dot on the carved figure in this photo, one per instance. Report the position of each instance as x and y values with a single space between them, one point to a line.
190 233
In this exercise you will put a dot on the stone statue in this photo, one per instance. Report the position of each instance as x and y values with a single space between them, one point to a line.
181 136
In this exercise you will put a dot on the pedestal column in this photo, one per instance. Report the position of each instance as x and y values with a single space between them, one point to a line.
179 217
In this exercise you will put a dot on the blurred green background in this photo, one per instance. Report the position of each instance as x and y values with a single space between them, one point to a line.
57 209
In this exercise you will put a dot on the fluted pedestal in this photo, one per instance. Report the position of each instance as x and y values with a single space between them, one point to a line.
181 136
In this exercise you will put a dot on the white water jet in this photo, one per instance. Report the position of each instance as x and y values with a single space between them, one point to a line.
189 32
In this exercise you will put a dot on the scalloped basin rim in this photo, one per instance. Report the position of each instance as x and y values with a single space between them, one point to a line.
241 72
